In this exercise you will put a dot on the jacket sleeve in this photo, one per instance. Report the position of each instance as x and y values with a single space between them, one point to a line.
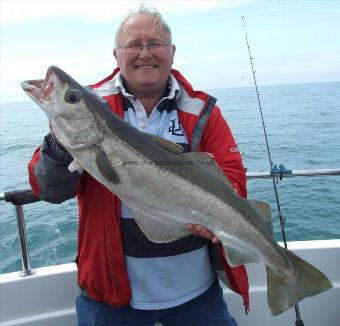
218 140
49 176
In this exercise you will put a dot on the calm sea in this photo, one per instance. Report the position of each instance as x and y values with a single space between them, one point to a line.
303 127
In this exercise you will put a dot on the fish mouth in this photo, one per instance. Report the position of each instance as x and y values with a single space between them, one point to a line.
41 90
72 123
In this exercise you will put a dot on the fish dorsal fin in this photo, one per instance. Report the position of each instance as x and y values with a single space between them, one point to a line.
167 144
206 161
265 211
160 231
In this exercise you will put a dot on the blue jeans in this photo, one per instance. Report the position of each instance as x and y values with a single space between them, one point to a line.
208 309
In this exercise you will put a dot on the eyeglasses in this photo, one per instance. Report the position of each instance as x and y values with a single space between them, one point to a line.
137 48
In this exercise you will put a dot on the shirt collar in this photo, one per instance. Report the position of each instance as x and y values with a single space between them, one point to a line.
174 89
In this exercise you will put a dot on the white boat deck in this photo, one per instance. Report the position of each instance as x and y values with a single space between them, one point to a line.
320 310
47 298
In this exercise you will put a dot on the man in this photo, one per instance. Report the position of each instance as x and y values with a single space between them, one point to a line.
124 278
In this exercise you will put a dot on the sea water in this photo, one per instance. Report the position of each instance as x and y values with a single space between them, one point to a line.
303 128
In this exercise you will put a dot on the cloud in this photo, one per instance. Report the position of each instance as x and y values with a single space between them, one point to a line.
98 11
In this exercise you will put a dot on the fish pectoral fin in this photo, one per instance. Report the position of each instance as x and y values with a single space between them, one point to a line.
265 211
106 168
160 232
284 293
167 144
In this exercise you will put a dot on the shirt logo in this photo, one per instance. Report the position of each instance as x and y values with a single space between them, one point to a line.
175 128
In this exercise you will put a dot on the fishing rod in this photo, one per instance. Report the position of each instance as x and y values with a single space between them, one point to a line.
299 321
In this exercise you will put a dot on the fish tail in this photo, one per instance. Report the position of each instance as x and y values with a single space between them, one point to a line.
284 293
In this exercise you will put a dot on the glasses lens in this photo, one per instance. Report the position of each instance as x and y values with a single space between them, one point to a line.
133 48
154 47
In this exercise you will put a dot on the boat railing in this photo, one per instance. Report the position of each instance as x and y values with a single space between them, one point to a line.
281 172
19 198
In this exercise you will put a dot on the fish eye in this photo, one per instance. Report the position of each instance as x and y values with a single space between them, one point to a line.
72 96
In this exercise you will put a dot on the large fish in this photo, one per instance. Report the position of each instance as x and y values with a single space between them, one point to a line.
151 176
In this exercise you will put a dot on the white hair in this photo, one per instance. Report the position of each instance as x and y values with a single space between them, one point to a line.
159 22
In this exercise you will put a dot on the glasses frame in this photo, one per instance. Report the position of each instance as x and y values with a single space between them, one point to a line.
132 48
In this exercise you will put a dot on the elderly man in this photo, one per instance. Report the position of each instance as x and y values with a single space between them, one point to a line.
124 278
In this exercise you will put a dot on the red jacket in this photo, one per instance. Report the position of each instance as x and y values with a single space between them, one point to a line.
101 261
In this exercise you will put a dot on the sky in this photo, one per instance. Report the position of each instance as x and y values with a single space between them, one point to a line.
290 41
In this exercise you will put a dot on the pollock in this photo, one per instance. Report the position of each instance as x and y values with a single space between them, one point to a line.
102 144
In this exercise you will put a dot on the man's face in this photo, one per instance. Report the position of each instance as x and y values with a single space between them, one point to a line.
145 72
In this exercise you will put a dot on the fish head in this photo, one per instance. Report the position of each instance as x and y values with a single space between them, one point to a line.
68 107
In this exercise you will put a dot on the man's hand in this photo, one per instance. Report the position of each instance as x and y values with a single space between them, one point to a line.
201 231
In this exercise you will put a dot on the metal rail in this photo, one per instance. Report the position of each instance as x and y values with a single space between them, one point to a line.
18 199
281 173
21 197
